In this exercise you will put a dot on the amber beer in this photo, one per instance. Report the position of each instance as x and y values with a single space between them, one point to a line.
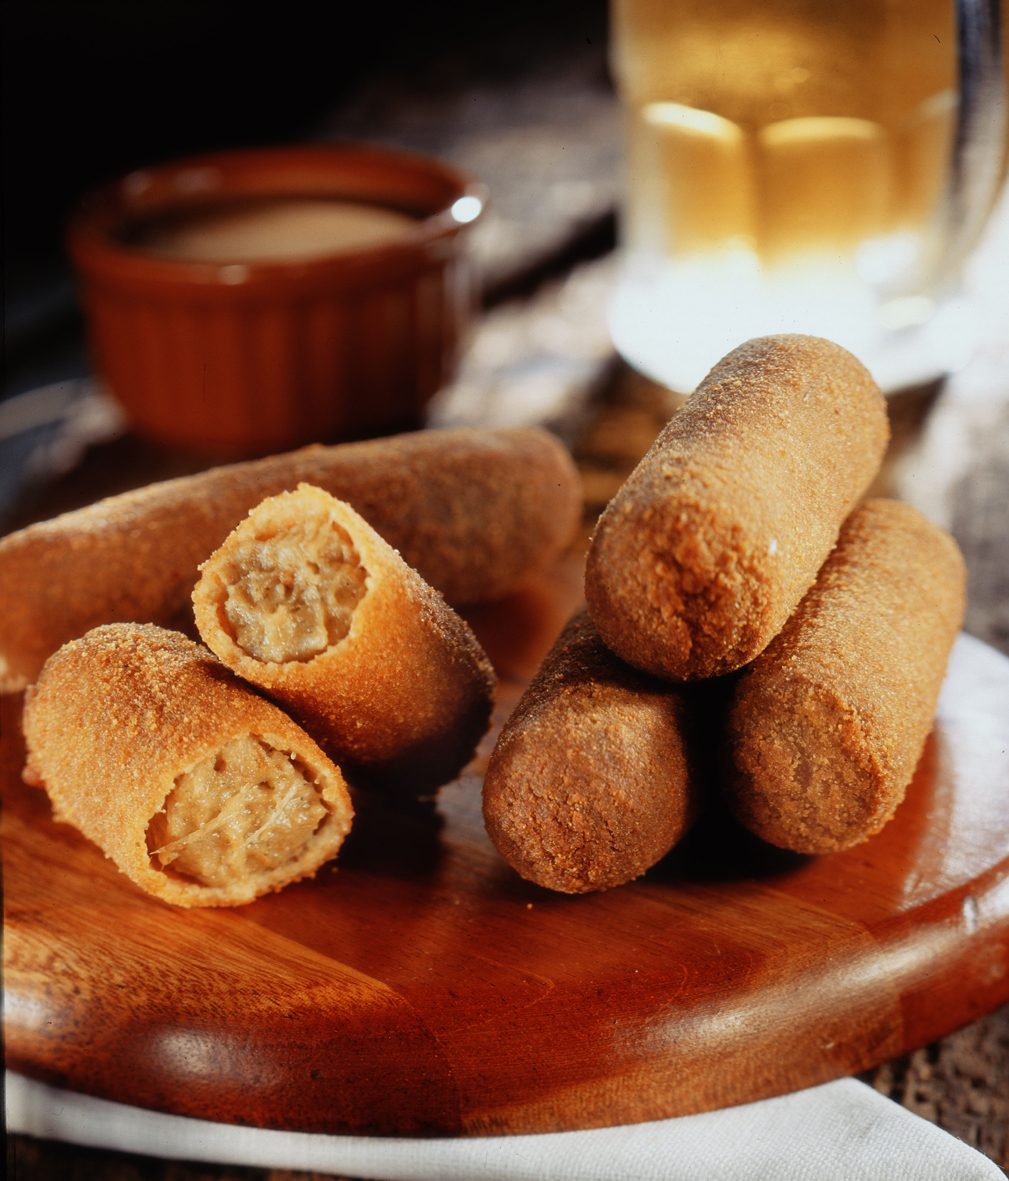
785 159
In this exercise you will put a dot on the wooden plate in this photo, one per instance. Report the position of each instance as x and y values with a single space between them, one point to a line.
420 987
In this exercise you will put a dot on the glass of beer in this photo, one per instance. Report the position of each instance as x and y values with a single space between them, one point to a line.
805 166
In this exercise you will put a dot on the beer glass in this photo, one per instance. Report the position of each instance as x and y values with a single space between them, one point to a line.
820 166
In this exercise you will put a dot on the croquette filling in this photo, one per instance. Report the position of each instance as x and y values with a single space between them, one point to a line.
238 814
295 592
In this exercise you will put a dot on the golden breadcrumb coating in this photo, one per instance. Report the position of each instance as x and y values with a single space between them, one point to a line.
307 601
202 792
825 729
707 548
475 511
590 782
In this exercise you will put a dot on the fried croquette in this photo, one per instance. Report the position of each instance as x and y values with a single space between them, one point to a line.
826 727
708 547
202 792
591 780
306 600
476 511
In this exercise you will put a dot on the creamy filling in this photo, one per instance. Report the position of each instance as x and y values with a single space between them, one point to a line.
296 593
242 812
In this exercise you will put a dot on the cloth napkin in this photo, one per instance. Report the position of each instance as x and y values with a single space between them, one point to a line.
841 1131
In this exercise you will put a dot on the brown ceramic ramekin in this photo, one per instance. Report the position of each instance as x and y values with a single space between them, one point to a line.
256 357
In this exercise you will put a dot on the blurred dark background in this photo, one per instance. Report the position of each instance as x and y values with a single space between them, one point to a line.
95 88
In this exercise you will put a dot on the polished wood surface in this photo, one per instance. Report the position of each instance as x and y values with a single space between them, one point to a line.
420 987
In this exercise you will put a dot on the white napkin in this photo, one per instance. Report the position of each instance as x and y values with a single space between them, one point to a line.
841 1131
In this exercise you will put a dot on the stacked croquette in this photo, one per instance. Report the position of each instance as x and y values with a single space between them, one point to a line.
736 543
591 780
826 726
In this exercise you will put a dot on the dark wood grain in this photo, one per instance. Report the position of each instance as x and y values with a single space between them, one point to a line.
420 987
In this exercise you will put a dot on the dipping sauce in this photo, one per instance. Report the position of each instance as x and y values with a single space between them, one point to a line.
282 229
